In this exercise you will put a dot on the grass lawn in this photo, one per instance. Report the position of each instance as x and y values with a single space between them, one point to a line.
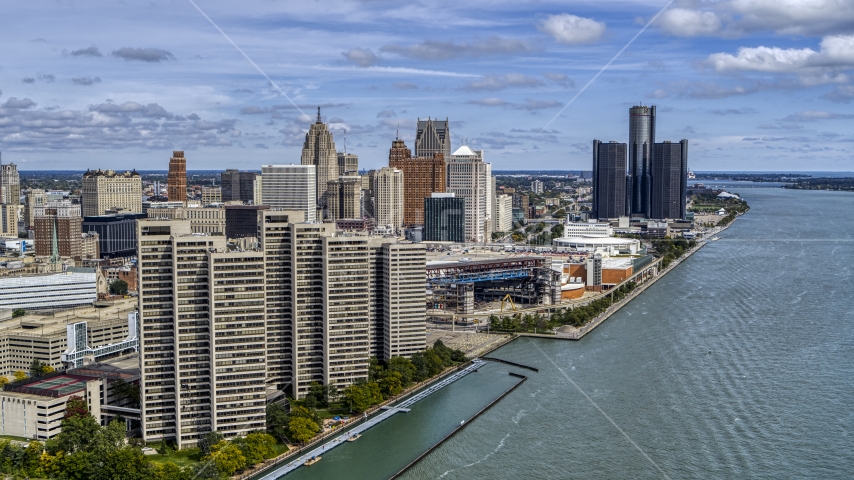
335 409
11 437
189 457
182 458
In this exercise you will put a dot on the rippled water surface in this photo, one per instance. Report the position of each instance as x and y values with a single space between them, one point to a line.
738 364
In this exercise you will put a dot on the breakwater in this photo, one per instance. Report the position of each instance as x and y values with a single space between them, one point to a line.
521 378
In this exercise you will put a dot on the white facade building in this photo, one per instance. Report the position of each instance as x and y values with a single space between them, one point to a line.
468 178
290 187
537 186
590 229
48 291
504 213
387 190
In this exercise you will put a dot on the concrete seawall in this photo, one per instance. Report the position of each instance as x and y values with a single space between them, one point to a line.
579 333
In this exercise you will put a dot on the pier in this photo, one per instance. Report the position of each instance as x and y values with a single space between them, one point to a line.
388 412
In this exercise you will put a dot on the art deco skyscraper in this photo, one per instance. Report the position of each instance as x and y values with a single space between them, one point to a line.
177 179
669 180
319 150
641 140
421 177
609 179
432 137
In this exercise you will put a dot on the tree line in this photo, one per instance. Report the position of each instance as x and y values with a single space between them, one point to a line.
578 316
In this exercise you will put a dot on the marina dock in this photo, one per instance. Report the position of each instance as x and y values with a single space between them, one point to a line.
388 412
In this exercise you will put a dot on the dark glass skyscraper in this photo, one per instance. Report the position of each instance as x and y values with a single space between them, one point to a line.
669 180
641 140
444 218
609 179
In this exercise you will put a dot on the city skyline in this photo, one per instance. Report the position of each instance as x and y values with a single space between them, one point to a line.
758 87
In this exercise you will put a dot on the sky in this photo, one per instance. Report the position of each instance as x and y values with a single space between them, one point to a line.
755 85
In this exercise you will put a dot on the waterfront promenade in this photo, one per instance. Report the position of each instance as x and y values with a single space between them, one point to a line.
387 412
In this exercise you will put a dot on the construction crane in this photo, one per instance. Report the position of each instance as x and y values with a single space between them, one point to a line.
507 298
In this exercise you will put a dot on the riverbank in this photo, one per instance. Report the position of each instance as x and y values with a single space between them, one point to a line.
577 333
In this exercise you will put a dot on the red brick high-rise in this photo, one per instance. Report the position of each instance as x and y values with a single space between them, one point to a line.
177 180
421 177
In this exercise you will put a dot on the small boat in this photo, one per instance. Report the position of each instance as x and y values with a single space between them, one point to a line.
355 437
311 461
462 422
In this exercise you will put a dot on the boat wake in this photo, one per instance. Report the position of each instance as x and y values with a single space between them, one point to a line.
499 447
519 416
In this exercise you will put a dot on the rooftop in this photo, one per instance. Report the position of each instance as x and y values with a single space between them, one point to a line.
46 324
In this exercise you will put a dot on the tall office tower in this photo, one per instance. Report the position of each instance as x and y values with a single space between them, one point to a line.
468 178
344 198
290 187
669 180
432 137
348 164
62 219
319 150
239 186
422 176
105 190
444 218
609 180
8 220
277 241
490 204
35 197
537 186
504 213
387 190
404 299
641 140
10 184
177 179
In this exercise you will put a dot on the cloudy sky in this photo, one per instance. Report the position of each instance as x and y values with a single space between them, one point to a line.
754 84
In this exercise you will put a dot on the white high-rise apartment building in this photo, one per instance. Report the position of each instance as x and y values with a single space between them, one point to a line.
290 187
387 191
203 334
220 329
537 186
468 178
504 213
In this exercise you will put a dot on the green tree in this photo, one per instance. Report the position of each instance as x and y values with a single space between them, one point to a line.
404 367
205 470
119 287
76 407
4 380
277 421
256 447
227 457
78 432
127 391
170 471
391 383
208 440
127 463
302 429
18 312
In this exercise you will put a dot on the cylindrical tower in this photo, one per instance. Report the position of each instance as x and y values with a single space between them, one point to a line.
641 140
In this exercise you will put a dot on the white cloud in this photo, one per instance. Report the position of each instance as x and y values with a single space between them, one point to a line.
361 57
500 82
572 29
683 22
836 52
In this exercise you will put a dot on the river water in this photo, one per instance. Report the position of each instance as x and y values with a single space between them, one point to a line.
737 364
